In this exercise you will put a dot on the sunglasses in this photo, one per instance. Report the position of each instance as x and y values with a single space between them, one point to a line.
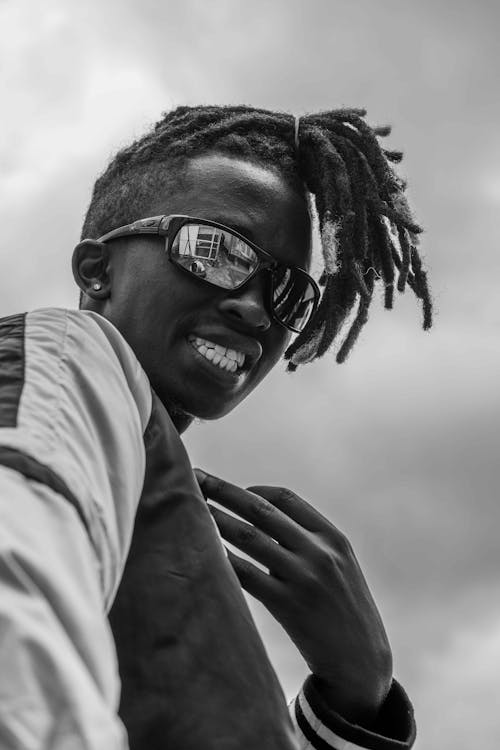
223 258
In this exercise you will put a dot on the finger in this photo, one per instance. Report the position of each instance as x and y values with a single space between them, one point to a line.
255 509
306 516
262 586
254 543
293 506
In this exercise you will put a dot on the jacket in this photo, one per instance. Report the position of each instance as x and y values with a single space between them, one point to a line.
87 447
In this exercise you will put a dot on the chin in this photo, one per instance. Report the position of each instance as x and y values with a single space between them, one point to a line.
184 407
211 412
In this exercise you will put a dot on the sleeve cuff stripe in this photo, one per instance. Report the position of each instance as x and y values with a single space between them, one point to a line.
304 743
315 731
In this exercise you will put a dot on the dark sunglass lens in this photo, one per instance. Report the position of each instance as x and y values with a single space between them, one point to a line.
293 297
213 254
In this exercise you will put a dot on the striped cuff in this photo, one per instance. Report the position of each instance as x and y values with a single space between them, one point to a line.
320 728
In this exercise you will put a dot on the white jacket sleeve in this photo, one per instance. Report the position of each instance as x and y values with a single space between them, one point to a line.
59 686
73 407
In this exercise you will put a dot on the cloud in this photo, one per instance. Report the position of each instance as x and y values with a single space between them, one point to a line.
399 446
62 113
462 680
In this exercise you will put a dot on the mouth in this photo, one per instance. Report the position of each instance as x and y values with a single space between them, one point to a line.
221 358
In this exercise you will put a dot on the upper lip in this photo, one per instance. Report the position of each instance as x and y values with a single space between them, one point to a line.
250 347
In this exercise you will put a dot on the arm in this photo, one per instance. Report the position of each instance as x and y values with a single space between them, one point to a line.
193 668
76 419
58 685
59 535
316 590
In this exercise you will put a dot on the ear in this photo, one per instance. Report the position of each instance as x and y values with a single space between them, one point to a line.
90 269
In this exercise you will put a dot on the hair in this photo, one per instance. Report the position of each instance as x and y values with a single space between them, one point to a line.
368 233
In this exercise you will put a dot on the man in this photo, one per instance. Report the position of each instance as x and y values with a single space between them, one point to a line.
193 271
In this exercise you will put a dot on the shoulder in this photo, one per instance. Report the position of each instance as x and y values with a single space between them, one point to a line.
45 343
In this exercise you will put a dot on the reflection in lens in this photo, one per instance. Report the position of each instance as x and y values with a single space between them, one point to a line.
293 297
228 260
225 260
197 241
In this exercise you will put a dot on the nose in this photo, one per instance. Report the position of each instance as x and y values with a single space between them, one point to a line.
246 305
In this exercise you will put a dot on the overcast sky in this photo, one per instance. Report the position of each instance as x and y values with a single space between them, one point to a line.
399 446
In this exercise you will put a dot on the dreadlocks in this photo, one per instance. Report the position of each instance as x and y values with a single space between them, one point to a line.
367 230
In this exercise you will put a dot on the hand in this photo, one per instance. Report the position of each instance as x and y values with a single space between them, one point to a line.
314 587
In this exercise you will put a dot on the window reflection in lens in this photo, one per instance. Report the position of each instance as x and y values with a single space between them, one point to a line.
228 260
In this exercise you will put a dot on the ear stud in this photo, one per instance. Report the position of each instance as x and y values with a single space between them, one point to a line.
97 286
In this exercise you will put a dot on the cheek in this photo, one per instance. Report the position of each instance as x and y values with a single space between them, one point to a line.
166 296
274 350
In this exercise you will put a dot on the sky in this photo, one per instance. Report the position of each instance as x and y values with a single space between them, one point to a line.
399 445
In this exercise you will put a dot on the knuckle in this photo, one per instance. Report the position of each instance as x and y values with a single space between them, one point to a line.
325 560
339 543
244 567
287 499
263 510
246 535
285 495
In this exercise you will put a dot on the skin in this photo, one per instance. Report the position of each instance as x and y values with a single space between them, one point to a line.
314 586
135 274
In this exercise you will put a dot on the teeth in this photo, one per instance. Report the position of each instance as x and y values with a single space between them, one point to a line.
226 359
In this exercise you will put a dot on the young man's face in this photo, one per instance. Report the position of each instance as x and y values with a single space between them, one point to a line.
160 309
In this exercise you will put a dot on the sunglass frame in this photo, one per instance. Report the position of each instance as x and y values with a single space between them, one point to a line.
169 226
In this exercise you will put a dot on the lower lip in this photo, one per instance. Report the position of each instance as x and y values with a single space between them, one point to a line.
222 375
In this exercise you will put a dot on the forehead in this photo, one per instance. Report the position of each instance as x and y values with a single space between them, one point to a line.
255 200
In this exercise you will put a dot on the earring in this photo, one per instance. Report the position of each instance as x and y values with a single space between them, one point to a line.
97 286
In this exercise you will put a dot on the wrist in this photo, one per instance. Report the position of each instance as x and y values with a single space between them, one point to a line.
394 728
358 704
